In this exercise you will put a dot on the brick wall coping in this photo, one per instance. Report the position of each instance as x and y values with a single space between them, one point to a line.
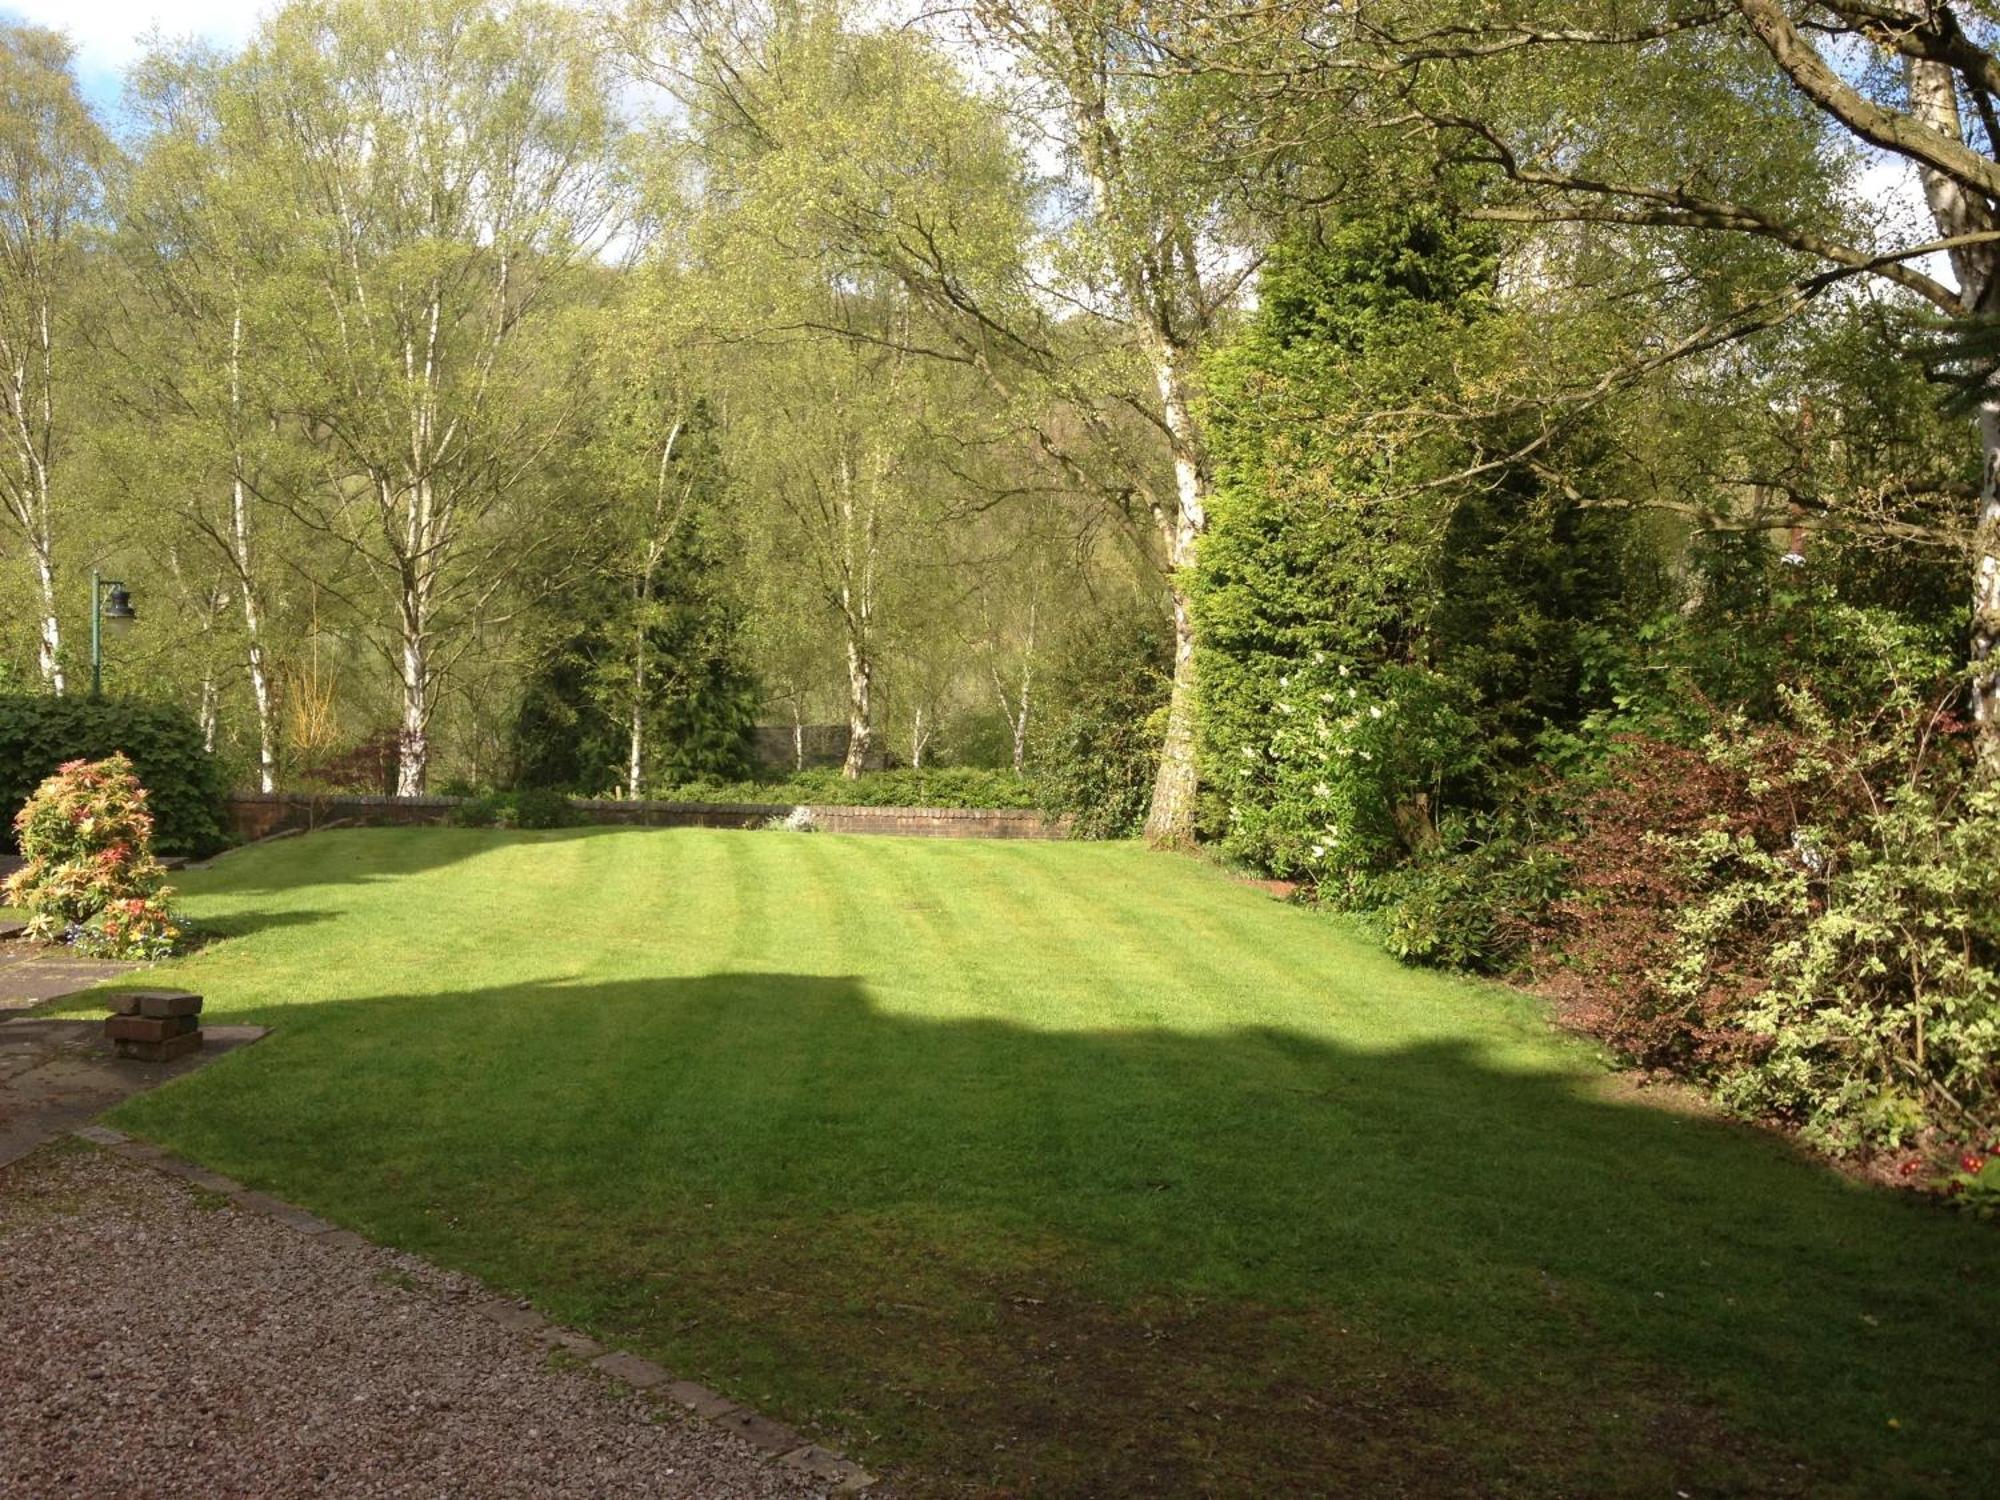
346 800
259 814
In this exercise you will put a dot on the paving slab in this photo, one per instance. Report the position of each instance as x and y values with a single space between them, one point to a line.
31 973
57 1074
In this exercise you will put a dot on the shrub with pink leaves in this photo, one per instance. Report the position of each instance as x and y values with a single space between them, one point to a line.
91 879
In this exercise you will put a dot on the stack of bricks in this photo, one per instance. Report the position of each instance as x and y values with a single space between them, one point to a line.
155 1025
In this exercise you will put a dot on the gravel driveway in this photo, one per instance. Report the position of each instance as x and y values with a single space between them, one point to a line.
154 1343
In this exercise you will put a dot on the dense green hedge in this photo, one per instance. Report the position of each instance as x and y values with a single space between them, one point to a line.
954 786
184 785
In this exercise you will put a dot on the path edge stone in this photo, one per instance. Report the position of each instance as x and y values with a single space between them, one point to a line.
642 1377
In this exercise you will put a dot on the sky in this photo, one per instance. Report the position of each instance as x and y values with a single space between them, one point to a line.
107 33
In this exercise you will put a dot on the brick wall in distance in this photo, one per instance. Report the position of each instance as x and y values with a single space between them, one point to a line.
255 815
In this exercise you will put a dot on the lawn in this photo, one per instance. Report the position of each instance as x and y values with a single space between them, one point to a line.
1067 1169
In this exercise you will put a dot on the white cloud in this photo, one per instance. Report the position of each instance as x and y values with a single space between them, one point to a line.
1888 189
108 33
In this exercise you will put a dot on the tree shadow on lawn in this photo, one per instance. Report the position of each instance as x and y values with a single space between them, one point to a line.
1251 1262
242 924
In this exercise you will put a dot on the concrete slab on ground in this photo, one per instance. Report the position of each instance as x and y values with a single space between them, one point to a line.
57 1074
31 973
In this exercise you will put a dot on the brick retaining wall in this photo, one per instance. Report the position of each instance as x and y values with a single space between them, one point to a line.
255 815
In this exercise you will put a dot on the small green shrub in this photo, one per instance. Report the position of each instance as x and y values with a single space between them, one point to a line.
1472 908
91 879
535 808
476 812
185 785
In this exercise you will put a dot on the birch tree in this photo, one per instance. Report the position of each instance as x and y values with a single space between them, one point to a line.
52 160
1154 240
658 464
1083 303
440 173
823 439
208 258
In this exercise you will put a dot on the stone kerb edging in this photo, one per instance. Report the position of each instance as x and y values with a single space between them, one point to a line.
779 1442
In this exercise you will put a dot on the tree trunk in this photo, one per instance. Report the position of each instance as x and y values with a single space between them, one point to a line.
860 725
635 751
260 693
239 540
205 713
1985 632
413 742
1021 731
1170 818
1976 267
859 538
1027 685
50 653
917 738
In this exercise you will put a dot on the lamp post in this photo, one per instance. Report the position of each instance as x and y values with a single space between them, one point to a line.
110 609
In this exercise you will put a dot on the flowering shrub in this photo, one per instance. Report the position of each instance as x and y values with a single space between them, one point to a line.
1357 770
1803 912
1976 1183
138 927
90 878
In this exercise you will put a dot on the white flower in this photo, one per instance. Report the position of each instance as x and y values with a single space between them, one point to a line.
1343 669
1321 789
1365 755
1319 851
1374 713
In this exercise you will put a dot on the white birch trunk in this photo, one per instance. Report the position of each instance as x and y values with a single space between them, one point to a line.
205 712
25 491
859 537
413 742
1154 286
49 645
1021 723
239 541
1027 686
1934 101
260 694
1170 818
860 717
413 738
635 747
635 752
